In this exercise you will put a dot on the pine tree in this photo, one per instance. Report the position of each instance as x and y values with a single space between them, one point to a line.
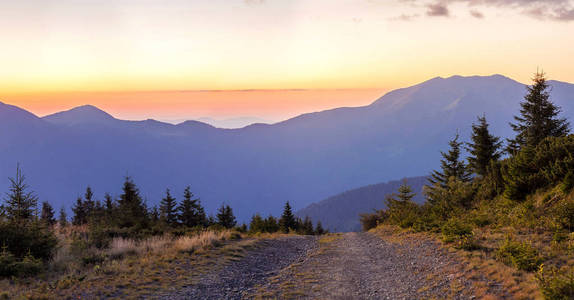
400 207
63 219
538 117
257 224
47 214
483 149
451 168
109 207
155 215
167 209
319 229
225 217
307 226
287 221
451 165
20 205
271 224
191 213
89 203
132 211
80 215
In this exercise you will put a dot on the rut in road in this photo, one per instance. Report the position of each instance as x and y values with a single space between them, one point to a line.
364 266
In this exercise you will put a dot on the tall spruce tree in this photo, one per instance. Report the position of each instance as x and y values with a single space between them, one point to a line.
20 204
287 221
167 208
538 117
191 213
63 219
319 229
225 216
483 149
80 216
47 214
131 208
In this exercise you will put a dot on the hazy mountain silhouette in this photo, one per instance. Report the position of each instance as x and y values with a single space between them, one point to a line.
340 213
259 167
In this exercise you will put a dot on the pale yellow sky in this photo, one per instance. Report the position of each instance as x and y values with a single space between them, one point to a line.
49 46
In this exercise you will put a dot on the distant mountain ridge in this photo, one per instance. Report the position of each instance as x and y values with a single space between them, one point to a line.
340 213
259 167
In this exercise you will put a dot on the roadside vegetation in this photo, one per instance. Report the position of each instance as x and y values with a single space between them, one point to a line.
509 211
118 245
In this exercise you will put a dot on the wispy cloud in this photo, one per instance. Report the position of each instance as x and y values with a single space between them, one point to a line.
556 10
439 9
477 14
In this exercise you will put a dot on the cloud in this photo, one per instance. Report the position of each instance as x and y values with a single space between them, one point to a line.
476 14
438 9
556 10
405 17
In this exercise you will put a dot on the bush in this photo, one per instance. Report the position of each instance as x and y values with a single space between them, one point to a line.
11 266
519 255
30 238
555 284
460 233
369 221
549 163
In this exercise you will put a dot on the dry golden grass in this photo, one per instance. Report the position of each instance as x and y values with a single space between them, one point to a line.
131 268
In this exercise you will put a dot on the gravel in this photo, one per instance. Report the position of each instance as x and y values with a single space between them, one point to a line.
239 278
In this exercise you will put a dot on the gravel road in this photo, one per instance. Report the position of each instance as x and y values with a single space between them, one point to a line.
344 266
238 279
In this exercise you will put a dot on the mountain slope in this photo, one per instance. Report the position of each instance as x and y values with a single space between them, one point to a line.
259 167
340 213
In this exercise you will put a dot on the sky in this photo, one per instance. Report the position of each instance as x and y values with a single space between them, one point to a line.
271 59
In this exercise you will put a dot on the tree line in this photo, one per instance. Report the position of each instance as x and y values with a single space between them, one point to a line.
540 155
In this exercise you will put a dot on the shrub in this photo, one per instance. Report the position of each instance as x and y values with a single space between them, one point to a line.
11 266
460 233
369 221
28 238
555 284
519 255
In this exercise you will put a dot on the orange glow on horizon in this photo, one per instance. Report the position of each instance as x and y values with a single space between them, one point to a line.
275 105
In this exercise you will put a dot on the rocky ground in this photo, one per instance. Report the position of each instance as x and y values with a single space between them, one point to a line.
341 266
238 279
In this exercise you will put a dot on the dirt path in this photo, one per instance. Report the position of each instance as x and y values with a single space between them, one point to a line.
342 266
238 279
364 266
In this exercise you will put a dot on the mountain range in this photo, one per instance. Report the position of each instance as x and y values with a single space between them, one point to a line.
259 167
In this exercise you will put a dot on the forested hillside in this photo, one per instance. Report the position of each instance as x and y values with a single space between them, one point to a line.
340 213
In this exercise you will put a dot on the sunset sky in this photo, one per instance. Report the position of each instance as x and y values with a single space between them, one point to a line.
271 59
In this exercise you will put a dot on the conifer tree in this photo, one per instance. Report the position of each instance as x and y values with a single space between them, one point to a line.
168 213
225 217
400 207
538 117
451 168
271 224
109 207
483 149
155 215
191 213
307 226
451 165
63 219
131 208
257 224
47 214
89 203
319 229
20 204
80 215
287 220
